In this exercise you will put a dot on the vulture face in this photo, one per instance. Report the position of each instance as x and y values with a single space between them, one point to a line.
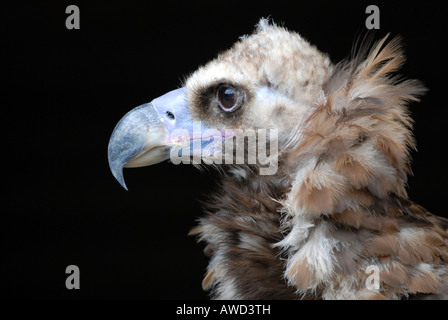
316 199
243 90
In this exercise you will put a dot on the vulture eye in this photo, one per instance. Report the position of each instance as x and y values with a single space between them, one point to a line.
229 98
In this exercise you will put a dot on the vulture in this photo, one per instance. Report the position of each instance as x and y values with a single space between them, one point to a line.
314 158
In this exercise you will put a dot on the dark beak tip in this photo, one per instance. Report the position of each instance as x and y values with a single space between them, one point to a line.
121 181
116 167
124 186
118 174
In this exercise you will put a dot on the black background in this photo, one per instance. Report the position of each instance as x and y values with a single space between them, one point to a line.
66 90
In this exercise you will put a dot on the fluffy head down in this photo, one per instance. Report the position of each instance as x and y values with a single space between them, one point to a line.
280 72
338 203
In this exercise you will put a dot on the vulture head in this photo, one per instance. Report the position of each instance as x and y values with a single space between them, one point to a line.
315 158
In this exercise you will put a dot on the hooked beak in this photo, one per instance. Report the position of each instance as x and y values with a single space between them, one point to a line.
141 137
146 134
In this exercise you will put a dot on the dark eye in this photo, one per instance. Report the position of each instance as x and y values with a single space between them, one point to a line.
229 98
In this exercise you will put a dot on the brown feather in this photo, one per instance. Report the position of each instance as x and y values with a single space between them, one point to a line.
426 283
396 276
208 279
382 246
371 295
300 274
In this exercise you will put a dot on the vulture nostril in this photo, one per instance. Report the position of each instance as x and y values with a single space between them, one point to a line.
170 115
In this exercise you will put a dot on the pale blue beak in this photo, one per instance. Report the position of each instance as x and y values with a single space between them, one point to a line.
146 134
